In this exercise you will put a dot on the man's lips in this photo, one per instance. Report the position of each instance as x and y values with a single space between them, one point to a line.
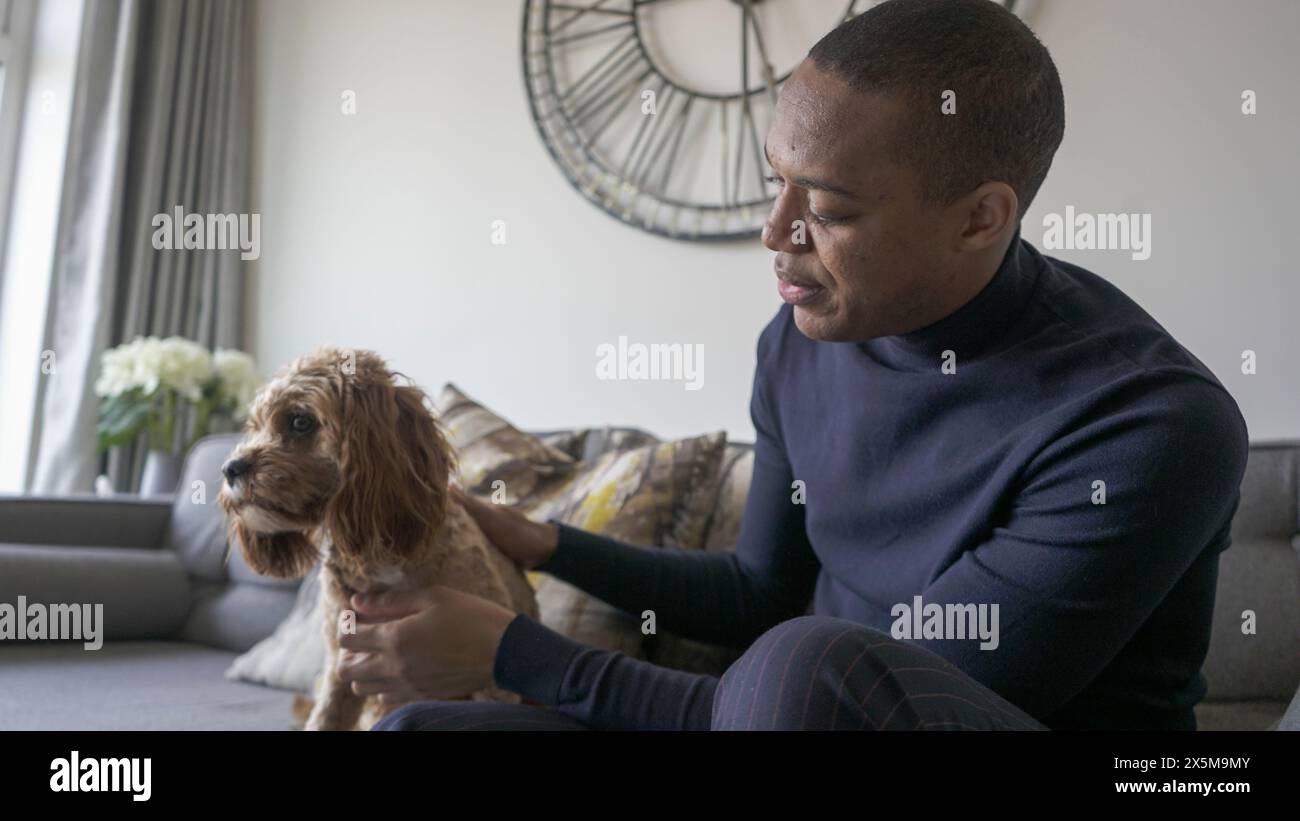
797 292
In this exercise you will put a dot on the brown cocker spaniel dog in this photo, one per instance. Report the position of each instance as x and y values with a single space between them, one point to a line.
341 463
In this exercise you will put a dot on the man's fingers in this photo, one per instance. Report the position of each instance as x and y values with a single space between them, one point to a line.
366 637
474 505
391 605
378 687
363 667
396 698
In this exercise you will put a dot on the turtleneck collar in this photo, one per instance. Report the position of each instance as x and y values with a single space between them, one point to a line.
974 327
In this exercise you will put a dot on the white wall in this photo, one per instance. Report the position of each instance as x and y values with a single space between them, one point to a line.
376 227
1153 123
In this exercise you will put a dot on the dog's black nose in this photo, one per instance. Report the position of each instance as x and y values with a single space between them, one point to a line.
234 468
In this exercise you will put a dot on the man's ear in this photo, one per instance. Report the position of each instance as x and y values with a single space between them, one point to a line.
988 213
285 555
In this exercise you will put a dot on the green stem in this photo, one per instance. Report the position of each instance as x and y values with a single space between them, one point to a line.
169 419
202 413
151 424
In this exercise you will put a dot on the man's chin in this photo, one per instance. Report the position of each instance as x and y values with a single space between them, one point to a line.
818 323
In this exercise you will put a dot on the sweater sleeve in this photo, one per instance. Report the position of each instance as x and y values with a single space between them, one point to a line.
604 689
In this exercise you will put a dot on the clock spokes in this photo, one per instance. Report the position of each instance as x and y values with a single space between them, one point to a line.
659 118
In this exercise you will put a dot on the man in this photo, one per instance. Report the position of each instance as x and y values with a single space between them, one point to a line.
976 425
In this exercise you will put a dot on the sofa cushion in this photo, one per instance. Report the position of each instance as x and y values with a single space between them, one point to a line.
235 616
292 656
1261 576
1290 720
1239 715
1270 493
145 593
150 685
1260 572
83 520
197 528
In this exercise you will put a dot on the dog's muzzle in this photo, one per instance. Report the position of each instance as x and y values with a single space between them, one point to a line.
235 468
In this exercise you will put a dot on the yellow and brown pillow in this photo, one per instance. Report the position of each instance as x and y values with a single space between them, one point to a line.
657 494
668 650
631 488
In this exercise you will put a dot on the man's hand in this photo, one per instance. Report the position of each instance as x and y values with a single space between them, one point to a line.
527 542
422 644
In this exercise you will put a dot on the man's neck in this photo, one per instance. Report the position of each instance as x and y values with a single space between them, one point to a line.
970 276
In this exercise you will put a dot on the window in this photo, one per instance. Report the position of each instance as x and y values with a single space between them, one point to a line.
16 18
38 46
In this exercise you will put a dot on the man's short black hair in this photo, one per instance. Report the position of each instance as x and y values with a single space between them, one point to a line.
1010 111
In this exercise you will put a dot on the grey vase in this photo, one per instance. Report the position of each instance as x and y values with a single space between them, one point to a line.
162 471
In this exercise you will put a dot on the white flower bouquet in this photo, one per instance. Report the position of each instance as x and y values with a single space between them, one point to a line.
155 386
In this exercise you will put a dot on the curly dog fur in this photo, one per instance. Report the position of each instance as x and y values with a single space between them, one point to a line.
340 463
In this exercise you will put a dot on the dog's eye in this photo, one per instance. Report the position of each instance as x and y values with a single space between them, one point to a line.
301 423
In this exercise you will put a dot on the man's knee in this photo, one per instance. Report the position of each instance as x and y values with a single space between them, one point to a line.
801 674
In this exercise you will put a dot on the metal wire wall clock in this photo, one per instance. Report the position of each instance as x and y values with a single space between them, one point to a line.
676 154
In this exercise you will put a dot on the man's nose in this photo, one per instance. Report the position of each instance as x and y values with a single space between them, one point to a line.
784 231
234 468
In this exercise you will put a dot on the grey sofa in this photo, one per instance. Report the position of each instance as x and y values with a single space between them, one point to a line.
178 611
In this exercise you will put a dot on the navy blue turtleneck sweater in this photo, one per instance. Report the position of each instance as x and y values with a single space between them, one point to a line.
979 486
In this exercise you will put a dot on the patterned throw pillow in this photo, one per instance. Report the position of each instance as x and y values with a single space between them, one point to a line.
656 494
619 483
676 652
493 455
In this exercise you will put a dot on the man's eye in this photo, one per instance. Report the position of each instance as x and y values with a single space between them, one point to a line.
301 423
827 220
775 180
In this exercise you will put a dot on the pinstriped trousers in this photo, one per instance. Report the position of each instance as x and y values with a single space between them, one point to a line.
809 673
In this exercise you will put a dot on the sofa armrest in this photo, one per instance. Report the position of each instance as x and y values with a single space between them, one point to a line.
145 593
107 521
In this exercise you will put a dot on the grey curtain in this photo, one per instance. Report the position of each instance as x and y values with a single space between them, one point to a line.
160 120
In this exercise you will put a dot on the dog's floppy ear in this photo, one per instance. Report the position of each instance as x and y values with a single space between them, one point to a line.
393 470
285 555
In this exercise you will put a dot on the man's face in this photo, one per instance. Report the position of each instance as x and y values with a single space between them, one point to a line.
871 262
